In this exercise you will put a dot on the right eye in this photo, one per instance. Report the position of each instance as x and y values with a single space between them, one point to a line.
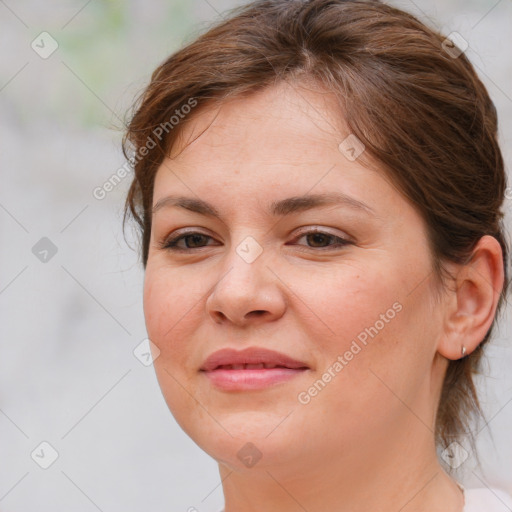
192 240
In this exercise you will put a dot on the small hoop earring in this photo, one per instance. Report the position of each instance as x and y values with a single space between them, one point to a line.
463 351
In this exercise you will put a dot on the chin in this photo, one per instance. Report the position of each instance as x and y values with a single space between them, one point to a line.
245 439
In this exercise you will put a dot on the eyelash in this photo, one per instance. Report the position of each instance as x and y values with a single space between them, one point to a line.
170 244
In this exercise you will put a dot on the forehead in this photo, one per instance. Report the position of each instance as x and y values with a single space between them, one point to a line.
285 121
280 142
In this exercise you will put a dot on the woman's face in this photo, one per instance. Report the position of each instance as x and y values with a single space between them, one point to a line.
352 304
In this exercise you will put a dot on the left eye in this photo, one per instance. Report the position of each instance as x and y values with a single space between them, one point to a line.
319 239
196 240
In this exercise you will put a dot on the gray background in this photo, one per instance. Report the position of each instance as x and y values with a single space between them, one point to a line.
68 375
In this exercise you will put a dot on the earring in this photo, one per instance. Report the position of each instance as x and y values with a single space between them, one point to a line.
463 351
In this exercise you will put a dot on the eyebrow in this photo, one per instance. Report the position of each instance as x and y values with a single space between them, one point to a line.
281 208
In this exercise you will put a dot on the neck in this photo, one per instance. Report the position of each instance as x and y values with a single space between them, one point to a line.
401 476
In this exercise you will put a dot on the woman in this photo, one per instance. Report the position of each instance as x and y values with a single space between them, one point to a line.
318 186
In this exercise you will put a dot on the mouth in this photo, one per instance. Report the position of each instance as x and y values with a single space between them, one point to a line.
251 369
249 366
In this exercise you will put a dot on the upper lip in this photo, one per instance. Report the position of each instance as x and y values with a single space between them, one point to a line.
251 355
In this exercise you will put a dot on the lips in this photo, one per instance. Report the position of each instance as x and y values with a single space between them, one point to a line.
250 370
252 358
249 366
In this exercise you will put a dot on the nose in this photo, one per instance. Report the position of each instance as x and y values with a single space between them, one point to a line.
246 293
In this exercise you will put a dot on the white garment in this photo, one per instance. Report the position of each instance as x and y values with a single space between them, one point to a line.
482 499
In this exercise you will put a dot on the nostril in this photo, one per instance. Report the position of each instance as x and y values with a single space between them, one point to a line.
219 316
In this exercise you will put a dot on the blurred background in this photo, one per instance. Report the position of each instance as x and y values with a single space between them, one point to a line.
83 424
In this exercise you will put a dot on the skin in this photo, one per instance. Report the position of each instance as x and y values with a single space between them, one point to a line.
371 427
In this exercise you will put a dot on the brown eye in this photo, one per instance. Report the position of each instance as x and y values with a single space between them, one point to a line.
322 240
191 240
318 239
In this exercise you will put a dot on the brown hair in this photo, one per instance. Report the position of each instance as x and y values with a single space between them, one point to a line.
421 111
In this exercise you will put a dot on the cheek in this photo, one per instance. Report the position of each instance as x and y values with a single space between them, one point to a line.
366 315
170 317
171 302
157 298
338 304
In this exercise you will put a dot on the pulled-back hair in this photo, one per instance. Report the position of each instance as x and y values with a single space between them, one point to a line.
418 106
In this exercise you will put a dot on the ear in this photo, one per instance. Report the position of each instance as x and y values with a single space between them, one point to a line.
472 303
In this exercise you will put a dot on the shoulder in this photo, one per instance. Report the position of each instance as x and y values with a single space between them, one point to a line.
483 499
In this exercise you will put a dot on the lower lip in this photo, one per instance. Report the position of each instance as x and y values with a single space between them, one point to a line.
244 380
